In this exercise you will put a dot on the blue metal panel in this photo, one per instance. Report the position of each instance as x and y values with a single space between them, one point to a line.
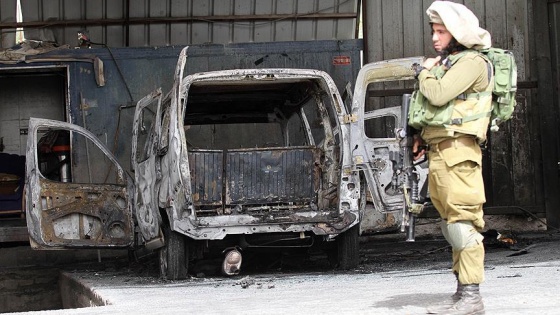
131 73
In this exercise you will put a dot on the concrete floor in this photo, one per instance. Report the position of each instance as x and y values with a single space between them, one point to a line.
395 277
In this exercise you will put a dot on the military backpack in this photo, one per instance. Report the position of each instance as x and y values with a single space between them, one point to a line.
505 85
422 113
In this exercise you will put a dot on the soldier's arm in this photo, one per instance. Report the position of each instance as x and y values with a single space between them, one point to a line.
460 77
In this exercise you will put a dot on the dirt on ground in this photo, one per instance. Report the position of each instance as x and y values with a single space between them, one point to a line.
378 253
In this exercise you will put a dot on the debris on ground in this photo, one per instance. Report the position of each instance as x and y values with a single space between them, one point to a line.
246 282
522 251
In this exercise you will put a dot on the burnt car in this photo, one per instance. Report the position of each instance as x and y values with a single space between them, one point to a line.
224 162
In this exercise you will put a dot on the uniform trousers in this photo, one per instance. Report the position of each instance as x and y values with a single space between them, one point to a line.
457 192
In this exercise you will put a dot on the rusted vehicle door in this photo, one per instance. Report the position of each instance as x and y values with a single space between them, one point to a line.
379 155
145 161
92 207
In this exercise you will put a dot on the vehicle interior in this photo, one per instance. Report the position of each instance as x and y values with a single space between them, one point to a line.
249 114
257 144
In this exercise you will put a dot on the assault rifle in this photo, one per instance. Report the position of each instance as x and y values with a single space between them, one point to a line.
413 175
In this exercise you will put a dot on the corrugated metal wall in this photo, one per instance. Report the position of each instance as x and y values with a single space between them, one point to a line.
400 28
139 23
549 87
554 15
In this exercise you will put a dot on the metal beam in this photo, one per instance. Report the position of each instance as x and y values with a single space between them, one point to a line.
13 234
187 19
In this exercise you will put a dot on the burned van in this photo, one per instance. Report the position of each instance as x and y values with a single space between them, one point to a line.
224 162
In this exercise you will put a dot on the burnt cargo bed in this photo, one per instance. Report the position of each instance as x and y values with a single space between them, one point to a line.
252 178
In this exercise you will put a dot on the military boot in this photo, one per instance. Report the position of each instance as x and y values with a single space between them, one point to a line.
448 303
469 304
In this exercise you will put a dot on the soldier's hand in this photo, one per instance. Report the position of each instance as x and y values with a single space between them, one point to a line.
431 62
418 147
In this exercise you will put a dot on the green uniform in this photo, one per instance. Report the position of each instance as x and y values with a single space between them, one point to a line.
455 158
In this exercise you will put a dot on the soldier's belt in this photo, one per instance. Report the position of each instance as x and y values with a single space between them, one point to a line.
453 143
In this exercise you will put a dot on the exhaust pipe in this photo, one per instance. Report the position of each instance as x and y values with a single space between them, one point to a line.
232 261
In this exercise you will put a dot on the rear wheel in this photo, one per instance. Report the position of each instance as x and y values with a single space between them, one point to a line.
348 245
173 256
346 252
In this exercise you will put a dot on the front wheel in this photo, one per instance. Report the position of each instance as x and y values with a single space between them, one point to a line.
173 256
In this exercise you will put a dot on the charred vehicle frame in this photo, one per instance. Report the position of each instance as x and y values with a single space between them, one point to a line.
230 160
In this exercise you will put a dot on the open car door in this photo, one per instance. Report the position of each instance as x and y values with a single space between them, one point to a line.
76 194
145 161
378 143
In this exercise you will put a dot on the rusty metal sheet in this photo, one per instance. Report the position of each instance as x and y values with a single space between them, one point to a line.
271 175
206 168
84 215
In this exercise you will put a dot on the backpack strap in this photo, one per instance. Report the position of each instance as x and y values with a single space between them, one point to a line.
460 121
477 95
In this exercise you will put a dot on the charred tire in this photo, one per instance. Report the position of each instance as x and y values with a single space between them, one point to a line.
348 248
173 256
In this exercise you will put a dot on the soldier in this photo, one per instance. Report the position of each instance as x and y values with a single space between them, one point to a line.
458 81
